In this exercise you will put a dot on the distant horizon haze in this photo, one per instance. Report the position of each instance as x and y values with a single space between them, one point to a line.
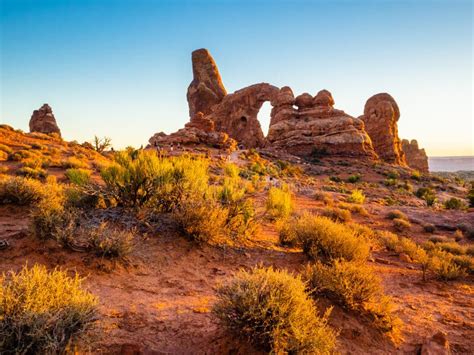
121 68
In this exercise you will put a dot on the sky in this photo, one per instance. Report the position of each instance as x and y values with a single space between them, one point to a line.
121 68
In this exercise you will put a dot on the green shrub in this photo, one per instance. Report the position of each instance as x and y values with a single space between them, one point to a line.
337 214
141 177
354 178
43 312
454 204
397 214
426 194
271 309
279 202
34 173
356 287
6 149
21 191
78 176
429 228
401 224
109 242
444 266
470 195
357 196
323 238
74 163
201 220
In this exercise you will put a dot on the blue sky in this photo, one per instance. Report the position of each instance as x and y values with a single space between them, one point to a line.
120 68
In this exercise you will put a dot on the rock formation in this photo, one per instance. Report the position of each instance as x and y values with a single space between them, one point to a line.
206 89
415 157
381 114
43 121
300 125
314 125
199 131
237 113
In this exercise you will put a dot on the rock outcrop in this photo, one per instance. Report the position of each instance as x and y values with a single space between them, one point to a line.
206 89
199 131
43 121
381 114
237 113
315 126
415 157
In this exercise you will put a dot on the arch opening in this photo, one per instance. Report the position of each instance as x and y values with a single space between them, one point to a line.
263 117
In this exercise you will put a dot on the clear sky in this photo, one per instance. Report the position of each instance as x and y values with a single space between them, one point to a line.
120 68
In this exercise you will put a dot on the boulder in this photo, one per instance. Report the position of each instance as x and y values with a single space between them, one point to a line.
206 89
315 126
381 114
415 157
43 121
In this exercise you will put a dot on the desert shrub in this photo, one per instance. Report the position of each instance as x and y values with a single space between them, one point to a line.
231 191
324 197
470 195
426 194
454 204
336 179
34 173
397 214
429 228
444 266
353 208
470 250
354 178
142 177
452 247
337 214
78 176
416 175
465 262
241 221
231 170
323 238
355 286
361 231
201 220
279 202
21 155
357 196
287 169
390 182
6 149
43 312
74 163
271 309
21 191
401 224
3 155
109 242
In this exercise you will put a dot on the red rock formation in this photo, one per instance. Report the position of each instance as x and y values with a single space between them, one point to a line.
237 114
43 121
316 125
415 157
381 114
206 89
199 131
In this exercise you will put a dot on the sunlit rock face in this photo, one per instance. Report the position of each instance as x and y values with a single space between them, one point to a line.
415 157
206 89
43 121
237 114
306 124
381 114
